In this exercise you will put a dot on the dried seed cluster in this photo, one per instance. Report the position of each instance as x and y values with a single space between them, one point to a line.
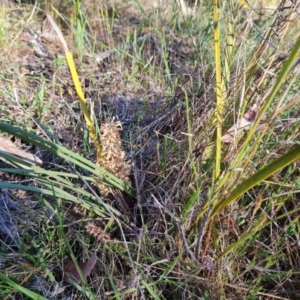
112 157
97 232
80 210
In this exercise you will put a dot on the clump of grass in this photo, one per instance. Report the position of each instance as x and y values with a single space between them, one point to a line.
204 219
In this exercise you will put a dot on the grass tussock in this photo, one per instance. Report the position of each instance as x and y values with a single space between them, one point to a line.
195 192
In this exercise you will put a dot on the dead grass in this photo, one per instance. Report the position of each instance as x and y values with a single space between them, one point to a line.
152 69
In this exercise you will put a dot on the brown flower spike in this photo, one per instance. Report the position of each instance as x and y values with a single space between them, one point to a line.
112 158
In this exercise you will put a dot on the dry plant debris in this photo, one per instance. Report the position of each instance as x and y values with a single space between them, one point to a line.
243 124
8 147
70 272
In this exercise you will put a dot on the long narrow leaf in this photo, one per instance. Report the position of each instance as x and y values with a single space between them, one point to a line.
59 193
259 176
68 155
151 291
78 87
20 288
219 102
59 177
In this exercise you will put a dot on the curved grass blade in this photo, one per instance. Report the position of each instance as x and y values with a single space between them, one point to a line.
20 288
265 172
58 193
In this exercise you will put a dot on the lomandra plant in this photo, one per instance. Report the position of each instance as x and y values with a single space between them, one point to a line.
242 157
233 183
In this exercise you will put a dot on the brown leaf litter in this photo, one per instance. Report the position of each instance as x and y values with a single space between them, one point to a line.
243 124
8 147
70 272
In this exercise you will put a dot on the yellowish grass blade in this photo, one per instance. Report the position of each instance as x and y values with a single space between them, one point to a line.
219 102
75 78
229 48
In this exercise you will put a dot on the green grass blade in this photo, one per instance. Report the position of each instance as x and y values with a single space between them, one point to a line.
151 291
68 155
259 176
56 178
170 267
15 161
20 288
255 228
190 202
59 193
53 174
